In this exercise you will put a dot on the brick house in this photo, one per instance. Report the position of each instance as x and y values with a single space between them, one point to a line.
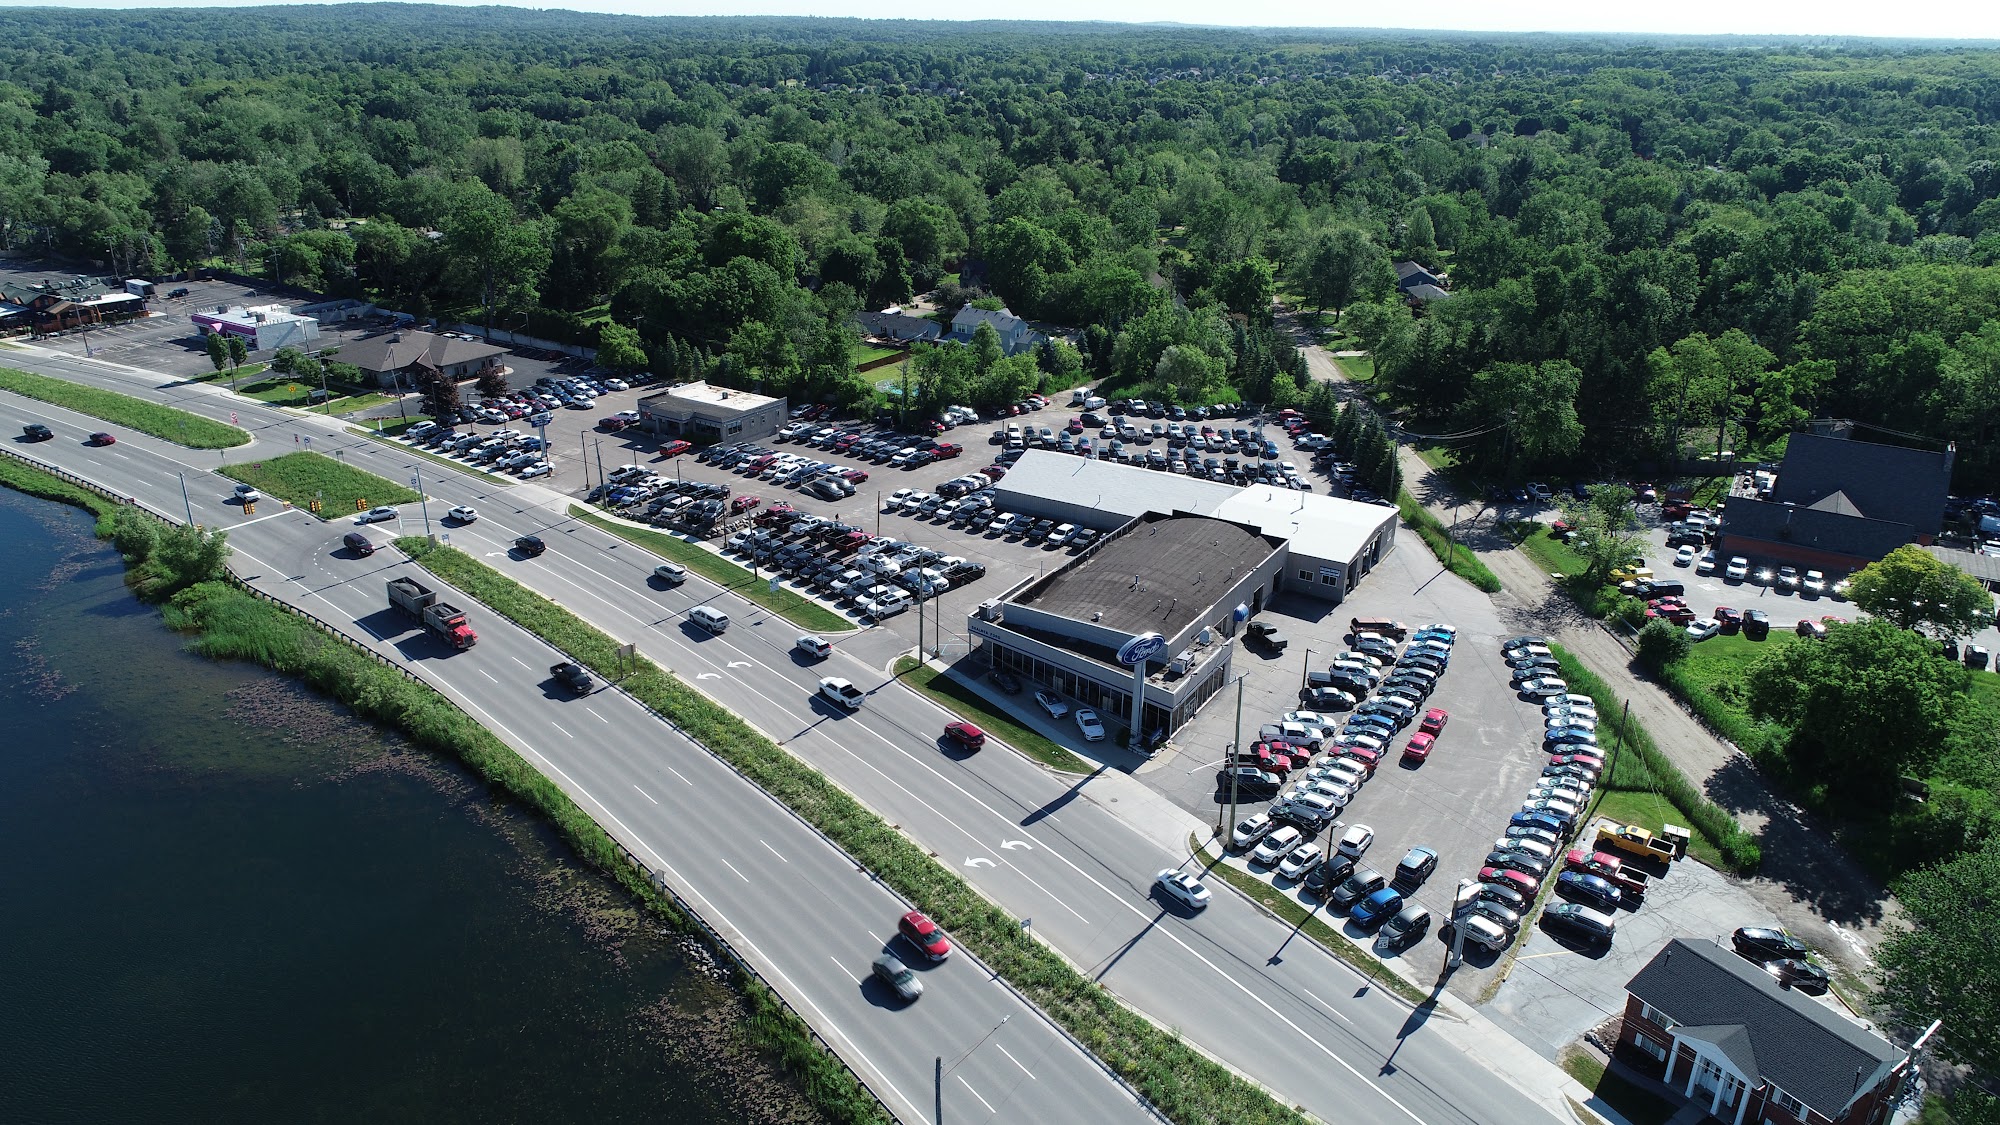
1724 1033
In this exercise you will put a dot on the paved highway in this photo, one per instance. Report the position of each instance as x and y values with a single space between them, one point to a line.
1045 847
970 1049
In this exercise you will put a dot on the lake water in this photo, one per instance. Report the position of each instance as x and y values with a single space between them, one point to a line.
224 900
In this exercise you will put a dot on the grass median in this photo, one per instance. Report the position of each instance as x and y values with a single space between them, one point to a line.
166 422
304 477
956 697
1180 1081
1309 922
1459 560
788 604
1636 764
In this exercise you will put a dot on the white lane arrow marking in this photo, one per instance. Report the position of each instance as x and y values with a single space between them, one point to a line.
1016 844
741 664
979 861
708 675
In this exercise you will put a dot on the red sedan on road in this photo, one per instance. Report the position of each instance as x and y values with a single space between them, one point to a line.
923 933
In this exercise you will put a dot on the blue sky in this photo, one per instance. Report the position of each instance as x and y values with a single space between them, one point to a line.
1943 19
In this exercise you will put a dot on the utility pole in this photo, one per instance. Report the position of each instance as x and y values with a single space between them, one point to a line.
185 502
417 481
1305 668
1229 758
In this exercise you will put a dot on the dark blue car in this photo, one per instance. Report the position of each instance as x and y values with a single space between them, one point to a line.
1554 824
1591 890
1377 908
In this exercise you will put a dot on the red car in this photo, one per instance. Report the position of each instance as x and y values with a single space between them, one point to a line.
1075 426
854 476
1597 863
675 448
1434 721
1420 745
923 933
1369 759
993 472
1508 877
965 735
102 438
1730 619
947 449
743 504
1591 760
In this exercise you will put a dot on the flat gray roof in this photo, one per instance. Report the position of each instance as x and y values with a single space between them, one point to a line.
1155 577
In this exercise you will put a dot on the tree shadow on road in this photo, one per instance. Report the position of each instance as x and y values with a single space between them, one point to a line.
1799 855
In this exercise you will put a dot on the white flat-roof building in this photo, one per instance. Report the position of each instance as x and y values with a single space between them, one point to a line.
261 327
1330 542
705 414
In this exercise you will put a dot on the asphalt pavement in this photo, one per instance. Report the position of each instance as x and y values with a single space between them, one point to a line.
1053 850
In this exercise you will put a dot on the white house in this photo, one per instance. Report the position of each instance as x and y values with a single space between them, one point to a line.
1015 335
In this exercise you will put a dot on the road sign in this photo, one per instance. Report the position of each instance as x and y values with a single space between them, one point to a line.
774 585
232 417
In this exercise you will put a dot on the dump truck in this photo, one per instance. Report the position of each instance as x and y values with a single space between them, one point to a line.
1634 840
421 602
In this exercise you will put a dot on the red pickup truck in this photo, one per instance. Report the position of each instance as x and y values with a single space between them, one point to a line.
1611 868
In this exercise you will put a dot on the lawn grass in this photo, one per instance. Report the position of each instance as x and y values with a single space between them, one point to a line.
789 604
1437 457
972 706
1184 1084
177 426
304 477
247 371
1310 922
1461 561
1640 1107
1357 368
865 354
1546 551
1635 764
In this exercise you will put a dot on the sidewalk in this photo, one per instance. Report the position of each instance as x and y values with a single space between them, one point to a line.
1807 880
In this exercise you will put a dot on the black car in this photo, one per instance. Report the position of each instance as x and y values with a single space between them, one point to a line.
530 545
1505 895
35 431
1578 921
1249 780
573 676
1756 624
1759 944
1360 884
1800 974
1324 877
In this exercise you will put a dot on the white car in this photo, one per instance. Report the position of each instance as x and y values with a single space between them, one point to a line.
842 692
1815 583
1344 770
888 605
1572 701
1684 556
1356 839
1570 717
248 494
1086 721
419 429
1705 564
376 515
1300 860
1183 888
617 385
538 469
814 647
1250 830
1739 569
1702 630
464 513
1276 846
1055 707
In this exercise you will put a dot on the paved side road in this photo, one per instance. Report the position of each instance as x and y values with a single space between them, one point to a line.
1807 880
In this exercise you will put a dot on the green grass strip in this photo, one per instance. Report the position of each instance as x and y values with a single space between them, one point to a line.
1636 763
23 477
165 422
789 604
233 625
1180 1081
1459 560
303 477
956 697
1641 1107
1309 922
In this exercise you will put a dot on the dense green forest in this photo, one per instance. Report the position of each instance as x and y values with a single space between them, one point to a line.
1652 244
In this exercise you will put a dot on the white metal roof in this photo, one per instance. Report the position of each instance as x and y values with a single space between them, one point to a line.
1319 526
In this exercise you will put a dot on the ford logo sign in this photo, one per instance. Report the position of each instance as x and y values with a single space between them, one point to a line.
1141 648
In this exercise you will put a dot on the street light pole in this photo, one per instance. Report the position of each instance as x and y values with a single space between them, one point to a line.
185 502
1233 779
1303 670
417 479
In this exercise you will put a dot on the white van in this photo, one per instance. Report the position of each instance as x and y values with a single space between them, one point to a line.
709 618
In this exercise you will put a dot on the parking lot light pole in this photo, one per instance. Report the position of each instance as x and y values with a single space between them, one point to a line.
1307 667
1229 764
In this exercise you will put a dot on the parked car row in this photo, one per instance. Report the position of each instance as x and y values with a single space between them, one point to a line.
505 450
879 576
